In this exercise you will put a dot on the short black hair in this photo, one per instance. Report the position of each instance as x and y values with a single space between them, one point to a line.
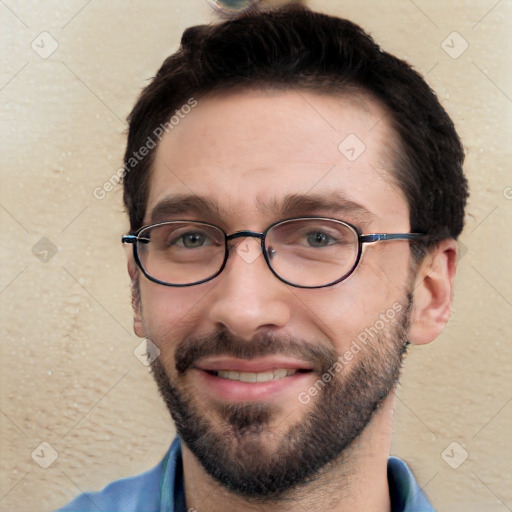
292 48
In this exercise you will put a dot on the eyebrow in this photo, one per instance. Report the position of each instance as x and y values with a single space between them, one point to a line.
334 202
182 204
292 205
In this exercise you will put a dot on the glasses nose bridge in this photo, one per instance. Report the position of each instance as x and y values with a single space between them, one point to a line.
244 234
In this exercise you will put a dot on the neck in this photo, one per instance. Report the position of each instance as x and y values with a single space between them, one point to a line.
355 481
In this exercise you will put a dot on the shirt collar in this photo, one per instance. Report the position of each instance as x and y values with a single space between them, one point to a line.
404 492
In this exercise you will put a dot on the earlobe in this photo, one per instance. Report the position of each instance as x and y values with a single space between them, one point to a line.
433 293
138 325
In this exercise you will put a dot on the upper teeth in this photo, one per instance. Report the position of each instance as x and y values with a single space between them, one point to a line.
256 376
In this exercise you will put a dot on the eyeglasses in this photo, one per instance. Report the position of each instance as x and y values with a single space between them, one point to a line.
305 252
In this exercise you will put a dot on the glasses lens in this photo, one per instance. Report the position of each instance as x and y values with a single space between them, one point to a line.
181 253
312 252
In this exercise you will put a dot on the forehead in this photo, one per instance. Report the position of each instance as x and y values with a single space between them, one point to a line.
247 154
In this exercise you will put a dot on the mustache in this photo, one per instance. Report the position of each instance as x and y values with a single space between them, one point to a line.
223 343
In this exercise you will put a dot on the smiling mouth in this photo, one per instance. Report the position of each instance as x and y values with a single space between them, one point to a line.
266 376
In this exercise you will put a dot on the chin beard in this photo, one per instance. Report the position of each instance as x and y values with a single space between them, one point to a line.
244 451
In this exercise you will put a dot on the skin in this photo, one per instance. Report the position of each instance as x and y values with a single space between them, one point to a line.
247 149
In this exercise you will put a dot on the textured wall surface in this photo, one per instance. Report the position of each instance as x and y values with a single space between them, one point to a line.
70 73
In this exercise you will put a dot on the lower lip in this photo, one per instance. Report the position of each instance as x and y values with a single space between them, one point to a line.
238 391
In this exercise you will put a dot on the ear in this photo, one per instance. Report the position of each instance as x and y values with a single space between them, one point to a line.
138 325
433 293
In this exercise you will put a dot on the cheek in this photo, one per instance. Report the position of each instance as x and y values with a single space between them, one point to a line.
395 262
344 311
169 314
383 274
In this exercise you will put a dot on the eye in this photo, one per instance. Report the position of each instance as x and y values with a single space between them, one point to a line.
319 239
191 240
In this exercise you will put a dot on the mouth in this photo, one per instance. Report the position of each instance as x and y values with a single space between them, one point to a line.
235 380
266 376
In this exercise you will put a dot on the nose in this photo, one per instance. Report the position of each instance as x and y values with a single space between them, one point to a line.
248 297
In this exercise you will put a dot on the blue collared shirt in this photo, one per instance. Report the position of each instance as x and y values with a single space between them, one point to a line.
161 490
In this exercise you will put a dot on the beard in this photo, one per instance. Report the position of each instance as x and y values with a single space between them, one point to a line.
237 452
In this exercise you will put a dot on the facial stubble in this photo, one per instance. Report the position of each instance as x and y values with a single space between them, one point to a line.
236 452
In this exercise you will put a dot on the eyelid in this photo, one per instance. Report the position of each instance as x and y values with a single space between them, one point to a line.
220 225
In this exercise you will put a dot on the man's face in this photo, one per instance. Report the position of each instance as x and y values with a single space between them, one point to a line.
257 158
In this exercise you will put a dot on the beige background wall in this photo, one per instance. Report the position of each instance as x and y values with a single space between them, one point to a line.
68 373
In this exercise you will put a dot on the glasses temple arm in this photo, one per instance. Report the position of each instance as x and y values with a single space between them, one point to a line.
132 239
377 237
